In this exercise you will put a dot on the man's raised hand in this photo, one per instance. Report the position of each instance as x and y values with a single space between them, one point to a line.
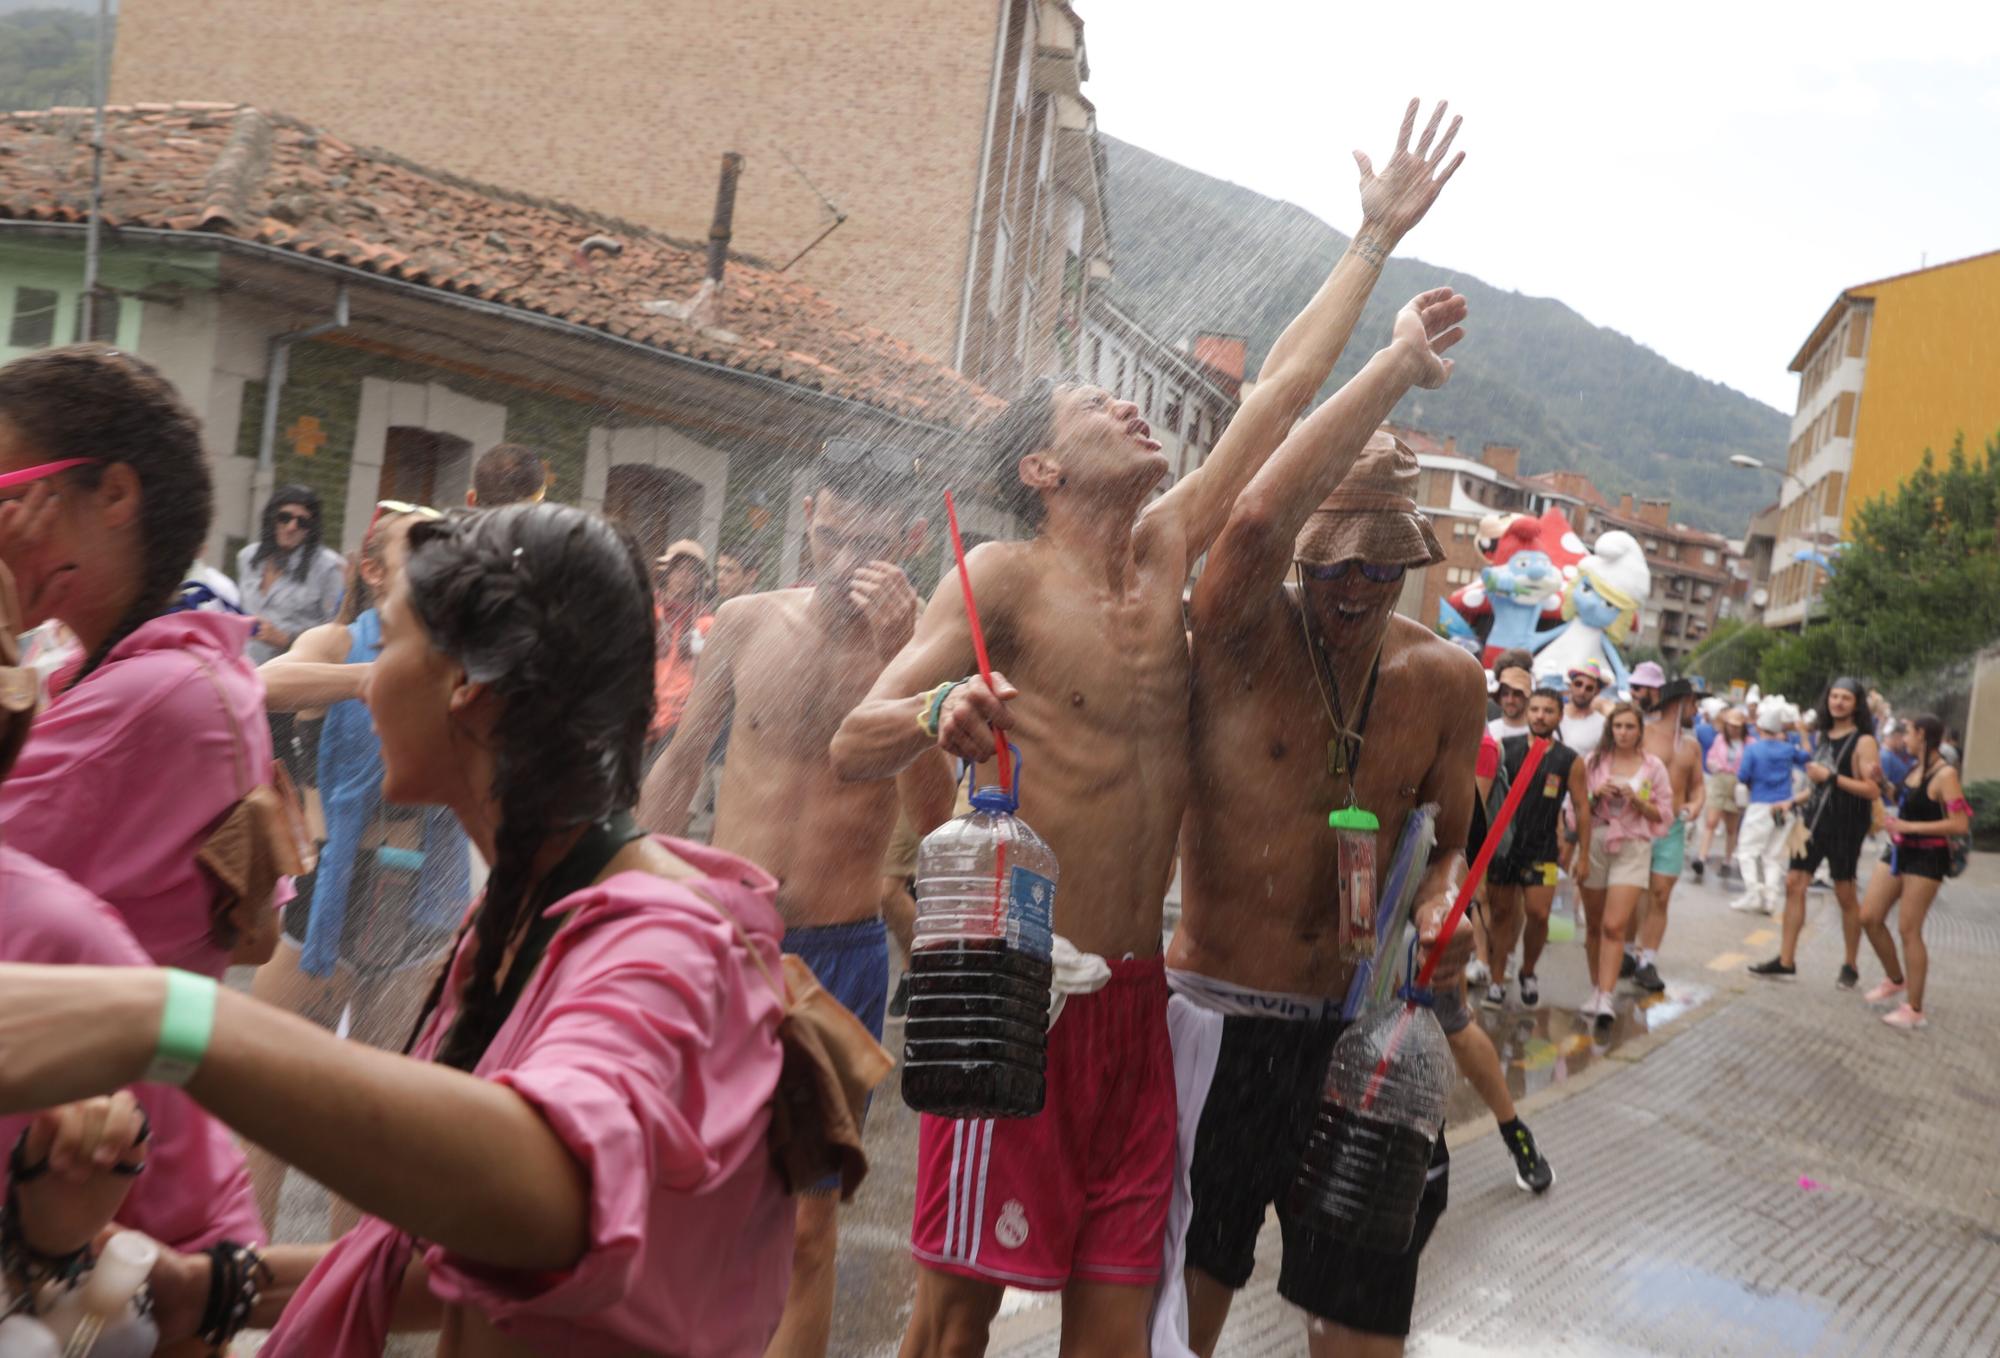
1430 323
1396 199
883 594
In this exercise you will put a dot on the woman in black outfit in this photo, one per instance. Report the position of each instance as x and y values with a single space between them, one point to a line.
1933 810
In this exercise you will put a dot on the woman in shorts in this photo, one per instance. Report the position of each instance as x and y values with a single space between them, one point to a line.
1933 809
1631 800
1725 752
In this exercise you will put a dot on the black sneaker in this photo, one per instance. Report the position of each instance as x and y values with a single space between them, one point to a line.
1496 997
1774 970
1531 992
899 1004
1699 869
1848 978
1648 979
1532 1173
1628 967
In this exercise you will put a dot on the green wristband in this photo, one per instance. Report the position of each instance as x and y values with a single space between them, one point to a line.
187 1021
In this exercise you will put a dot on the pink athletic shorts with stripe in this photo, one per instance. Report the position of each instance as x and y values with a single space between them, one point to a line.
1080 1190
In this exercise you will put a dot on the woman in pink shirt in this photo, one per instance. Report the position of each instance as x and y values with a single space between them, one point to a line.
159 729
1631 799
577 1161
196 1190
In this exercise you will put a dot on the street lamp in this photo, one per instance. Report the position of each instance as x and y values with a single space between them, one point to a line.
1757 464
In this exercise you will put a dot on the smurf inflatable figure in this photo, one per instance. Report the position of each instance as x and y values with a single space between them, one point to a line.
1600 610
1531 561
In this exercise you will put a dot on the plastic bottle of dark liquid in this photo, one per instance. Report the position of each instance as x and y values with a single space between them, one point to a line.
976 1040
1364 1167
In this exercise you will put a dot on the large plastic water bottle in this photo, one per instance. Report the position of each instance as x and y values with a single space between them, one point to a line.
976 1038
1362 1176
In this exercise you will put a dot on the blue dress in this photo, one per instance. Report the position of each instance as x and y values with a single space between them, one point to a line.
350 785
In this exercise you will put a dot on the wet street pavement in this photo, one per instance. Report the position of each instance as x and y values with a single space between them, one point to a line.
1745 1167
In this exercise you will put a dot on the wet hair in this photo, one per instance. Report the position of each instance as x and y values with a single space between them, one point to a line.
1026 426
306 498
1554 695
1515 659
1607 744
359 596
89 400
866 485
1863 717
1933 730
509 474
550 606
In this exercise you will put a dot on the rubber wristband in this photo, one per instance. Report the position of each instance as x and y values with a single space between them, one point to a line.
187 1021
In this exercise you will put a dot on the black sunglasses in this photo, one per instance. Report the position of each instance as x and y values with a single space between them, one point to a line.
1381 575
886 457
289 516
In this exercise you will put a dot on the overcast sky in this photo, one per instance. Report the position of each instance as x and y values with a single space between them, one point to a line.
1702 177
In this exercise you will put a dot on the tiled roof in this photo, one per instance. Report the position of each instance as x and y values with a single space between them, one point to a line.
237 172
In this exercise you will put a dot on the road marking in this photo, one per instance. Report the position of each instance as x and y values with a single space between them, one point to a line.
1728 961
1759 938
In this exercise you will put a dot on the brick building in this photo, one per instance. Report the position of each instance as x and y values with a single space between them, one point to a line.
450 316
937 163
1457 492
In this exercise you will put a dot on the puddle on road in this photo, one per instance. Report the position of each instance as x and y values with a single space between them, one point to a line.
1545 1046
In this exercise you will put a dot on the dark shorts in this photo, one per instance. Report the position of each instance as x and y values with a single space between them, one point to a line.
852 962
1842 857
1523 871
1253 1128
1906 862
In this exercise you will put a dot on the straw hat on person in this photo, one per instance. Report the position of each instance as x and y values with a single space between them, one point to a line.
686 547
1372 515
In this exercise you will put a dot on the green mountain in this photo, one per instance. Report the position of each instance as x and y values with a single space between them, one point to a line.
1196 253
48 54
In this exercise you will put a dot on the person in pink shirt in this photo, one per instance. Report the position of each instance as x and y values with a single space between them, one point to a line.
159 728
196 1191
577 1160
1631 803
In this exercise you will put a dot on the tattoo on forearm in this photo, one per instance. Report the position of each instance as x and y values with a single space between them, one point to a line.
1372 250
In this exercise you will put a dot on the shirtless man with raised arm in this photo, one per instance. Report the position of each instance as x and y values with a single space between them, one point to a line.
788 665
1084 620
1308 698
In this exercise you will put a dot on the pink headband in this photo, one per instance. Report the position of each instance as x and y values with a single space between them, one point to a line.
45 469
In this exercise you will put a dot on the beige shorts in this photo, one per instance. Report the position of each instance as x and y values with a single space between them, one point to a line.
1722 792
1630 864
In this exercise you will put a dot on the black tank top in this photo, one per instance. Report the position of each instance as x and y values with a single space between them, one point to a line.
1918 804
1540 813
1840 816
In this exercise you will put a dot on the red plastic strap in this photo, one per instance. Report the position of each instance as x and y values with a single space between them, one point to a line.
1536 749
978 636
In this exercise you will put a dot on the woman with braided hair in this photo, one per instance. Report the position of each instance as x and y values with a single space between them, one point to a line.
574 1156
159 729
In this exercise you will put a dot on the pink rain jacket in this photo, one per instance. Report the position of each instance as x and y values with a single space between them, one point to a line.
195 1189
125 774
648 1040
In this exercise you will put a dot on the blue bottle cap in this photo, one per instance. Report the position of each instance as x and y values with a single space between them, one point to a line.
995 798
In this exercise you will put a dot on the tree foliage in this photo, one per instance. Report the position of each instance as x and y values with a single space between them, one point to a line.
47 56
1918 586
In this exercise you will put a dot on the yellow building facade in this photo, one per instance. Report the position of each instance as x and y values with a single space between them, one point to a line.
1894 368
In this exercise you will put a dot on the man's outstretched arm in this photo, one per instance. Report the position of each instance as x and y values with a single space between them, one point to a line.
1250 557
1391 204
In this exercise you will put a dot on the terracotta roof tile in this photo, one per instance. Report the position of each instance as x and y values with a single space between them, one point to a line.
236 172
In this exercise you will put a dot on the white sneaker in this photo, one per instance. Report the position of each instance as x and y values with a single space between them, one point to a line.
1750 905
1476 973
